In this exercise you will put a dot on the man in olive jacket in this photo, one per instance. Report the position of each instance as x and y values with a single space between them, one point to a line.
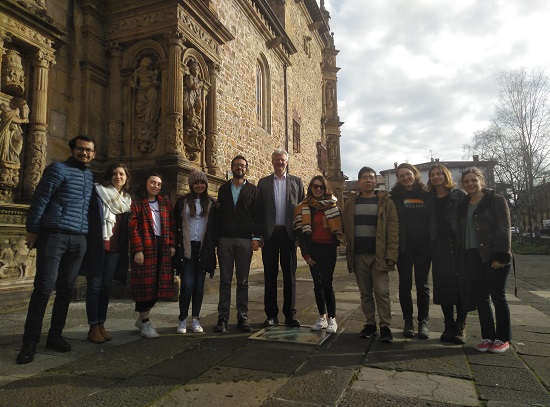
371 228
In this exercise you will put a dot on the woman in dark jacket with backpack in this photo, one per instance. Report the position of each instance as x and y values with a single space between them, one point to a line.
485 226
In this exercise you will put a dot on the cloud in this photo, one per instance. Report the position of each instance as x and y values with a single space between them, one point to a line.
419 78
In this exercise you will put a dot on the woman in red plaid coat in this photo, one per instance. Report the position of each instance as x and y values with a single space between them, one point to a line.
152 244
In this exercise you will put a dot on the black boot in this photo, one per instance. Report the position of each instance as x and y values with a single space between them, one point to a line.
408 329
460 333
26 355
449 333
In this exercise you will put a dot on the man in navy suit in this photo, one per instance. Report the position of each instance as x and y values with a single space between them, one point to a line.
278 194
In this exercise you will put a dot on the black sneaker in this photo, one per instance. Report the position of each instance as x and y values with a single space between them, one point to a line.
368 331
386 335
269 322
243 325
58 344
220 326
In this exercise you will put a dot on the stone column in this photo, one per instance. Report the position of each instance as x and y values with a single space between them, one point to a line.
114 141
212 122
174 98
35 161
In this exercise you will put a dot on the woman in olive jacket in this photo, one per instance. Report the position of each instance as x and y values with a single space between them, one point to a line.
485 226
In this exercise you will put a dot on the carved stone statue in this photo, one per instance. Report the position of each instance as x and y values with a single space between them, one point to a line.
11 135
193 110
147 105
13 75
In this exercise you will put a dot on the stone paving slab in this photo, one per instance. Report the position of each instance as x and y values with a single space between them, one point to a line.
338 356
514 397
507 378
419 355
508 359
541 367
527 315
135 391
316 385
356 398
225 386
49 389
532 348
416 385
258 357
128 360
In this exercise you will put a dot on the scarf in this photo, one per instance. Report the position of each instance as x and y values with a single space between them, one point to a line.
113 204
332 219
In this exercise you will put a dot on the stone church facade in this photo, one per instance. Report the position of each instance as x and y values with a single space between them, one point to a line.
164 84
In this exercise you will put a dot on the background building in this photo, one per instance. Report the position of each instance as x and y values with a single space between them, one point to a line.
165 84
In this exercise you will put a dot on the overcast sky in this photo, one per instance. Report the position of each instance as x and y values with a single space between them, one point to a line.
418 77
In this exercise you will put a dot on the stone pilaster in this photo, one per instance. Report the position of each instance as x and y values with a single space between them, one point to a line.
37 142
174 116
115 135
212 123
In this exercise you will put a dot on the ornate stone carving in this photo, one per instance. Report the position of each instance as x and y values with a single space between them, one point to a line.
329 97
16 261
147 105
13 75
114 142
36 160
196 29
193 96
17 29
147 20
174 133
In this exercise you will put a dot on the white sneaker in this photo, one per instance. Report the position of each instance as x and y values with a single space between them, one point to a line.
332 326
182 327
196 325
320 324
139 324
148 331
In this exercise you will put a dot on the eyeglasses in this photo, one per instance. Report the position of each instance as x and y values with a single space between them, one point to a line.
317 186
84 149
239 165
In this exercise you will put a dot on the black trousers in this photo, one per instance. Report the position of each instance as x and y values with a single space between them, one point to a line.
279 248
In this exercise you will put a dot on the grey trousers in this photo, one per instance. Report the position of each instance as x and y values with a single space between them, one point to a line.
234 254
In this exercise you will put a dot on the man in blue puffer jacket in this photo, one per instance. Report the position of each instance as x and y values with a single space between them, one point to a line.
57 224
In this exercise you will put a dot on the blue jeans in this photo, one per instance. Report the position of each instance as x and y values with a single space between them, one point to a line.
58 260
98 289
192 285
490 284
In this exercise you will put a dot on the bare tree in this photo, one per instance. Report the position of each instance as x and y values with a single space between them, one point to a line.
519 138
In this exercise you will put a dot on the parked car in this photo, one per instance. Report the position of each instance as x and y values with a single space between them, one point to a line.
545 231
515 231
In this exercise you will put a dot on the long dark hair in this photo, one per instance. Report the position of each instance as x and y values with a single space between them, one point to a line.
449 183
203 199
141 190
107 177
328 192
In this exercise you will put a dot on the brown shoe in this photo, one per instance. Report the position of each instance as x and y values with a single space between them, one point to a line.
94 335
106 335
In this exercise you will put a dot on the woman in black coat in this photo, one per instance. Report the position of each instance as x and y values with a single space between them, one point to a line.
107 245
485 226
451 285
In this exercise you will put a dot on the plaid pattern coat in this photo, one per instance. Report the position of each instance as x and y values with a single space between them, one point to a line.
149 282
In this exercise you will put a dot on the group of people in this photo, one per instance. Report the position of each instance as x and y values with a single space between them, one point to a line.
99 231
